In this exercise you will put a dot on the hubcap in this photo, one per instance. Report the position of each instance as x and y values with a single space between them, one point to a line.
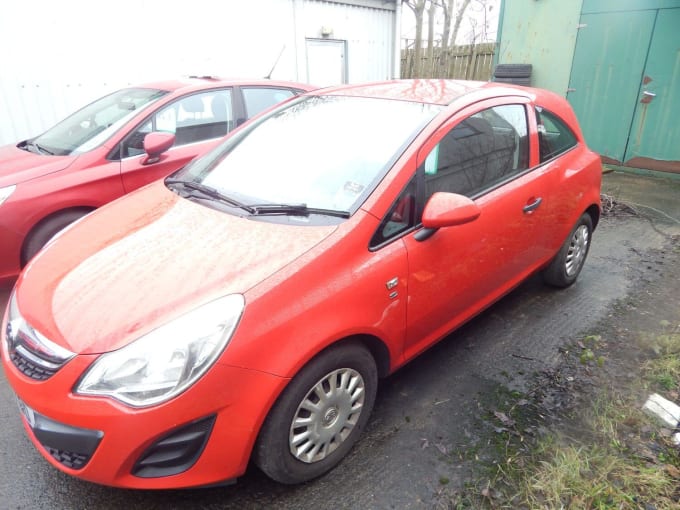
327 415
578 247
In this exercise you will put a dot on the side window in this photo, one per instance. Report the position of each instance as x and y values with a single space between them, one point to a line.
133 145
192 119
400 217
259 99
554 136
480 152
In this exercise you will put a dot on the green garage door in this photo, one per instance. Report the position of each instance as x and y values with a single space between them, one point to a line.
625 86
654 140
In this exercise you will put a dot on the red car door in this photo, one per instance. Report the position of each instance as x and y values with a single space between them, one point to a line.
199 121
135 173
482 152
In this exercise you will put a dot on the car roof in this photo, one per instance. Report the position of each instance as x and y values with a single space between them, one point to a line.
434 91
192 83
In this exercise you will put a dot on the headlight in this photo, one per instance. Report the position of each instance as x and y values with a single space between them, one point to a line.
6 192
165 362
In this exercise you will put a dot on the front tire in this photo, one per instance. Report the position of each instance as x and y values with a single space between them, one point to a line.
567 264
319 416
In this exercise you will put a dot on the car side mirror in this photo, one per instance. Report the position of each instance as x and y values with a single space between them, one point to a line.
155 144
446 210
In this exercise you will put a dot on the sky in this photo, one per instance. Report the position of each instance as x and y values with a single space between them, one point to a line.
470 27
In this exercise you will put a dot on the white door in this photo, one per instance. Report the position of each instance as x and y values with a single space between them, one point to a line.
326 63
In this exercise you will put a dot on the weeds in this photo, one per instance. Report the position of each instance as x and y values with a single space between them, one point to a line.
610 456
663 372
585 477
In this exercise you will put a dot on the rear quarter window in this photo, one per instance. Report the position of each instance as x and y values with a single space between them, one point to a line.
554 136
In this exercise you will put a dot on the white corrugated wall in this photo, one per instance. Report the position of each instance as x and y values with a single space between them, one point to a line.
60 55
369 33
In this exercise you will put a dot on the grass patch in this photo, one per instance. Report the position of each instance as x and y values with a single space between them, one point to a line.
612 464
663 372
609 456
579 476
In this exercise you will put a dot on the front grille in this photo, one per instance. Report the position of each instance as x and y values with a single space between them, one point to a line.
30 369
33 354
69 459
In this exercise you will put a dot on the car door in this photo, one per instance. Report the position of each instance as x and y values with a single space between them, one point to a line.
199 121
482 152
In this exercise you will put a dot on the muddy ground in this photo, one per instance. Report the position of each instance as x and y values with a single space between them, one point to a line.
603 361
433 431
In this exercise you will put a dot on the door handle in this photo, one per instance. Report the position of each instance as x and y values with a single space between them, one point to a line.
532 206
647 97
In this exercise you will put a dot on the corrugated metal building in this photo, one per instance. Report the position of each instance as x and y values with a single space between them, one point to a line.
618 64
58 56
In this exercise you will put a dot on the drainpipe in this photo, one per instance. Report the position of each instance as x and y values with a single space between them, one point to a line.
396 63
499 38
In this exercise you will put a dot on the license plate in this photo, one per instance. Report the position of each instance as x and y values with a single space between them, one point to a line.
27 413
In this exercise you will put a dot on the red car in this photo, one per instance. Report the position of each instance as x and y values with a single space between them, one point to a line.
245 307
102 152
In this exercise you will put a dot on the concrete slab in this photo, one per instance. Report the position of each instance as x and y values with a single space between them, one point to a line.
655 197
667 412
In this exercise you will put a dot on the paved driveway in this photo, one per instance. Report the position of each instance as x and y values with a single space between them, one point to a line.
429 423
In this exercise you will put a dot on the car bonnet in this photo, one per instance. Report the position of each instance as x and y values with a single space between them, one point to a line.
143 261
17 165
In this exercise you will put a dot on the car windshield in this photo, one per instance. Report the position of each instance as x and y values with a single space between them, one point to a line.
90 126
323 152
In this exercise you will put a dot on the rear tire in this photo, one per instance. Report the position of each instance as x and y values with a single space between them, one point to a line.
564 269
45 231
319 416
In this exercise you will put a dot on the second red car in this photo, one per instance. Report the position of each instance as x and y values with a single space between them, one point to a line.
104 150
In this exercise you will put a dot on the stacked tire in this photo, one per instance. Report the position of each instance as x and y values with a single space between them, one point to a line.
518 74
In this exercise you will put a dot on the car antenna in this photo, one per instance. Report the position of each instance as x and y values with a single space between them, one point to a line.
269 76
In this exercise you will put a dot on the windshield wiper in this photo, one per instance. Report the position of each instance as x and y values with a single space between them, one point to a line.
295 210
210 192
257 209
39 149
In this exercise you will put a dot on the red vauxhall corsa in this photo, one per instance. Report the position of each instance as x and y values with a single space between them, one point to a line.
244 307
102 152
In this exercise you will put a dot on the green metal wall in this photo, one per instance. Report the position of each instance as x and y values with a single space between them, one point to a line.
541 33
616 61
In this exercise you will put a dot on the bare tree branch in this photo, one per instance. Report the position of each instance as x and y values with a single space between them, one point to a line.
458 19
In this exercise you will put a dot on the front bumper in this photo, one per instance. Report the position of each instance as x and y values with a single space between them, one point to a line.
72 447
202 437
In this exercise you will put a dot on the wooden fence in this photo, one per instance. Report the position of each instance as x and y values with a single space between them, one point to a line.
465 62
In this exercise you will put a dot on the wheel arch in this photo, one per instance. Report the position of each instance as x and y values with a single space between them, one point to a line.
43 221
263 440
375 345
594 212
377 348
